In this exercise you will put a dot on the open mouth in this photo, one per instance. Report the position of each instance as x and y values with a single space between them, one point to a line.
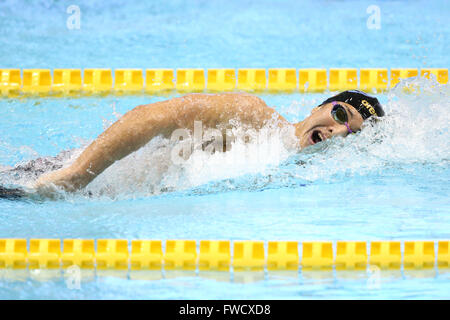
316 136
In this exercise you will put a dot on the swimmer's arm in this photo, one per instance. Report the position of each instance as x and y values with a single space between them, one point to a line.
141 124
126 135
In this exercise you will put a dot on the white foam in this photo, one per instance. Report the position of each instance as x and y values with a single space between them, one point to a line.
415 130
151 170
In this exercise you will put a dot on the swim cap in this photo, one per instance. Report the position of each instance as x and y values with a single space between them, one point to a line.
366 105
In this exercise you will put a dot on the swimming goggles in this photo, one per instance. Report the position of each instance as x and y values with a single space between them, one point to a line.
339 114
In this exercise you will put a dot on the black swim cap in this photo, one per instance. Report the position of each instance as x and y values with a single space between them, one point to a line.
366 105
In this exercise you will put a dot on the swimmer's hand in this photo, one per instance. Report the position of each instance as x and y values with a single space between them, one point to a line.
49 183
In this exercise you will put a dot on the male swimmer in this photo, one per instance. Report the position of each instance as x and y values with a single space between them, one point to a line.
339 115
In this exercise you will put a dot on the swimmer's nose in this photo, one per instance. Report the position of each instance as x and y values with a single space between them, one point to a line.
333 131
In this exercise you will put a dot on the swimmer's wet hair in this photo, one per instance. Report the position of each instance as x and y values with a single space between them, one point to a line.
365 104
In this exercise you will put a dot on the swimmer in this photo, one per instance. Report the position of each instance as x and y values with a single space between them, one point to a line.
339 115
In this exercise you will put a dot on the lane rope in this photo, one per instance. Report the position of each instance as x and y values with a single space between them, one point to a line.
222 255
77 82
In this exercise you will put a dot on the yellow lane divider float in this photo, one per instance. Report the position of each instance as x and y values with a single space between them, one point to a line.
67 81
221 80
44 82
343 79
221 255
312 80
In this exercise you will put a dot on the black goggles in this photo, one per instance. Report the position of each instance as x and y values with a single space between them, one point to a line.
340 115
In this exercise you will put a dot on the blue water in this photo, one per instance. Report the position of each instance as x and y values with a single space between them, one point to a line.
389 182
235 34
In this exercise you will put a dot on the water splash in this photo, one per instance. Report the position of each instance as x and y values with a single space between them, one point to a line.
414 132
151 171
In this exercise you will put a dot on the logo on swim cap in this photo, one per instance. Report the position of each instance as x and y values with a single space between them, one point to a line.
368 107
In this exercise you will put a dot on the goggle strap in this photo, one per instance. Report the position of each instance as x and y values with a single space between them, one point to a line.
348 127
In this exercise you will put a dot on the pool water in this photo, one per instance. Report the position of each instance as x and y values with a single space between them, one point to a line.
390 182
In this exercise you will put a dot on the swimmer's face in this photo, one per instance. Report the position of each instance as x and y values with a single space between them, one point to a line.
321 125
